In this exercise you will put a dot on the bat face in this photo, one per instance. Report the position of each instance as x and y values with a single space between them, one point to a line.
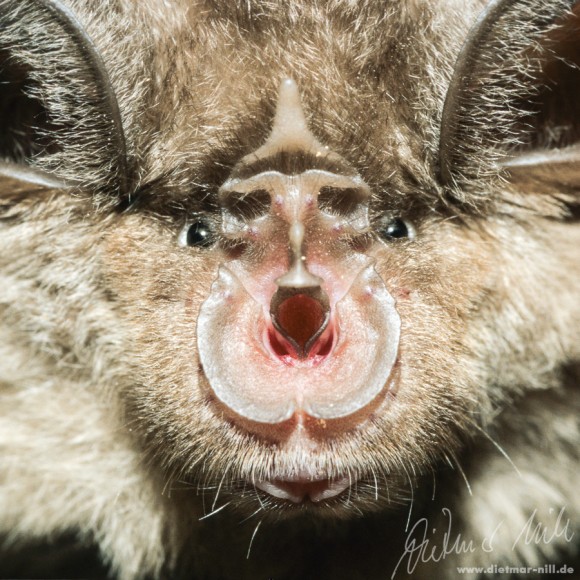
304 257
285 333
293 321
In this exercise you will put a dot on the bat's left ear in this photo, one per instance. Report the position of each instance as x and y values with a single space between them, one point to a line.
514 99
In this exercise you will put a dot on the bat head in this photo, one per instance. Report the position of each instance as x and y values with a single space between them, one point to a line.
324 263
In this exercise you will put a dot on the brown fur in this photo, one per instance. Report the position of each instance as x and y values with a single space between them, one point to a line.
109 436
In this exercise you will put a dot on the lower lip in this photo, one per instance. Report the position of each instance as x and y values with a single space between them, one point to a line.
301 491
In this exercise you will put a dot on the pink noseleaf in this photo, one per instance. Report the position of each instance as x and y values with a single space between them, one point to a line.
249 375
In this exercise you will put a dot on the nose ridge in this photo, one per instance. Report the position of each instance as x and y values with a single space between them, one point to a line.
298 276
299 309
298 171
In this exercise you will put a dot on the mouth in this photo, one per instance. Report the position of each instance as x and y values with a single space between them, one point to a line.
301 490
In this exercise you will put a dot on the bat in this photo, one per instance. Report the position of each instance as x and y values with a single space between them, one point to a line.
289 290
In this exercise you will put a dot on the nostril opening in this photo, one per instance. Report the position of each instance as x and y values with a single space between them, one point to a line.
281 347
300 318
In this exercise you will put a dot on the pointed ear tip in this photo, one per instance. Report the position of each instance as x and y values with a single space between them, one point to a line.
550 172
557 156
23 176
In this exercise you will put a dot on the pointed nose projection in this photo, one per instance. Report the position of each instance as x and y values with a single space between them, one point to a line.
299 321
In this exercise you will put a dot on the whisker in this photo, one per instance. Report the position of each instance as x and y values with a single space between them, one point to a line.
458 465
219 489
434 484
348 499
215 511
387 486
259 498
376 485
252 539
497 446
412 499
252 515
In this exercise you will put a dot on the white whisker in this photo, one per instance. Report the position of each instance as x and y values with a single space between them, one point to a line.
218 490
215 511
252 539
497 446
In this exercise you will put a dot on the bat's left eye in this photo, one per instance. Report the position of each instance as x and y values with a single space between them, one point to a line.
395 229
197 234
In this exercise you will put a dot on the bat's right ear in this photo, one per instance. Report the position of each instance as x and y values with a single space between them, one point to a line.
513 104
58 111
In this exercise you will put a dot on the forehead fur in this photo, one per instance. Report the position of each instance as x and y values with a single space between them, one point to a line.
214 96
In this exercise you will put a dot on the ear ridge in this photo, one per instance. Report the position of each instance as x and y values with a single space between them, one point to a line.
53 68
492 113
477 38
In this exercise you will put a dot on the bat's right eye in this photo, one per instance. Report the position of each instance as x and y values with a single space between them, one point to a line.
198 234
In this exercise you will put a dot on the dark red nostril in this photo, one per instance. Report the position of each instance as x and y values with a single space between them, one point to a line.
300 318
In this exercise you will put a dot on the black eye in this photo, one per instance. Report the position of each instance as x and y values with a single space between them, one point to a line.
197 234
395 229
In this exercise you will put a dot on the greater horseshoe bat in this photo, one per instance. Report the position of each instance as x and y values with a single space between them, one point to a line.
289 289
